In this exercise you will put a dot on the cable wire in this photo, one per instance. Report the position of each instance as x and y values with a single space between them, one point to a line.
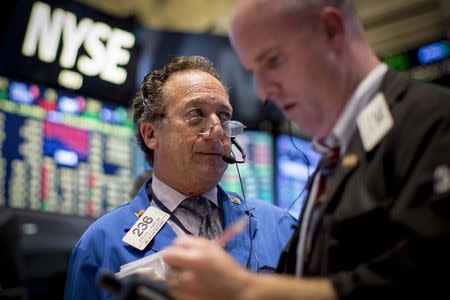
252 250
307 163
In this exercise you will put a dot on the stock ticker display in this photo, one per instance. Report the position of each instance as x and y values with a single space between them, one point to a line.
257 171
63 153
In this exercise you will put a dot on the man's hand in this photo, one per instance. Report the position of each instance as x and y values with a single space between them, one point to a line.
203 270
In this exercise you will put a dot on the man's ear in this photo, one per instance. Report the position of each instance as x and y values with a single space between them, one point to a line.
148 133
332 21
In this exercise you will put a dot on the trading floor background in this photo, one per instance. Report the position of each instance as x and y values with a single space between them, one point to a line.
68 71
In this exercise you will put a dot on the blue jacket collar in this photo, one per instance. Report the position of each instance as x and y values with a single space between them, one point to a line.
232 210
239 246
141 201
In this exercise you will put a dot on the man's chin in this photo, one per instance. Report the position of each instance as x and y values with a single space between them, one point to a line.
204 184
212 174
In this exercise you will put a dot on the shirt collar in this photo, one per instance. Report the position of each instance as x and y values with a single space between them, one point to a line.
345 126
171 198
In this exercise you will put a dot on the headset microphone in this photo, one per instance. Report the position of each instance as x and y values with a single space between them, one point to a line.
228 160
232 160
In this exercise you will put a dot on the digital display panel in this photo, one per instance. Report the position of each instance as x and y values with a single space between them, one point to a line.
257 171
68 44
295 162
428 62
62 152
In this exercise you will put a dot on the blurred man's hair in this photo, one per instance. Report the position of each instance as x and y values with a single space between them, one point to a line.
139 181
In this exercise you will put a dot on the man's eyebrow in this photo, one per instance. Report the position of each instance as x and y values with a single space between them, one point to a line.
226 107
263 56
195 102
201 102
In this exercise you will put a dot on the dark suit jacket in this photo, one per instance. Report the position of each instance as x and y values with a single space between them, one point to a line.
384 229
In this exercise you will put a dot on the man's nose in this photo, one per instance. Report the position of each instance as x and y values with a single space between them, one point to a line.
264 87
215 129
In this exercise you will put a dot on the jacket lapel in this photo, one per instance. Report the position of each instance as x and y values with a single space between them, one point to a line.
393 85
342 172
165 235
163 239
239 245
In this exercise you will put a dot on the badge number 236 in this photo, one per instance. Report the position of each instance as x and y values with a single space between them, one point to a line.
142 226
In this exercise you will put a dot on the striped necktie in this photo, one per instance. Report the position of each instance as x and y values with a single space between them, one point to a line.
201 207
328 163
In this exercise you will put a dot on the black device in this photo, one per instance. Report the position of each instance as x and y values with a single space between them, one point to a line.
134 287
233 160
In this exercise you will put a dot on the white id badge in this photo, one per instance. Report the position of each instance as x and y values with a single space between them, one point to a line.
374 122
145 228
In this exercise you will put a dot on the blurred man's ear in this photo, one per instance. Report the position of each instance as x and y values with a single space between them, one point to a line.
332 21
147 131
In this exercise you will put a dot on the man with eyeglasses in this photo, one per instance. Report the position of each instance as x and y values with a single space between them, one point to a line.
183 124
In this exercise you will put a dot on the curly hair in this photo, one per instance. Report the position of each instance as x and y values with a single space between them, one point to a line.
148 104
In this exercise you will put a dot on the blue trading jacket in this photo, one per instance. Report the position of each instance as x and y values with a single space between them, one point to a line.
101 246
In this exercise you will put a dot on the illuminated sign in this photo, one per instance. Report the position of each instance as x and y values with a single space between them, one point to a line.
68 44
429 62
433 52
106 47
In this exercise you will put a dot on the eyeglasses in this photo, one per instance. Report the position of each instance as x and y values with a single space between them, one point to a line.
203 125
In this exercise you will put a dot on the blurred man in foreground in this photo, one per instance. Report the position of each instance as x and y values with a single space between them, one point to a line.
377 221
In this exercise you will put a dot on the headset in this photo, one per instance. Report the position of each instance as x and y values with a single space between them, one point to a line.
233 160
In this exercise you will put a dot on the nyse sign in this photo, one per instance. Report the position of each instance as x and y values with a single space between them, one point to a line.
106 49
